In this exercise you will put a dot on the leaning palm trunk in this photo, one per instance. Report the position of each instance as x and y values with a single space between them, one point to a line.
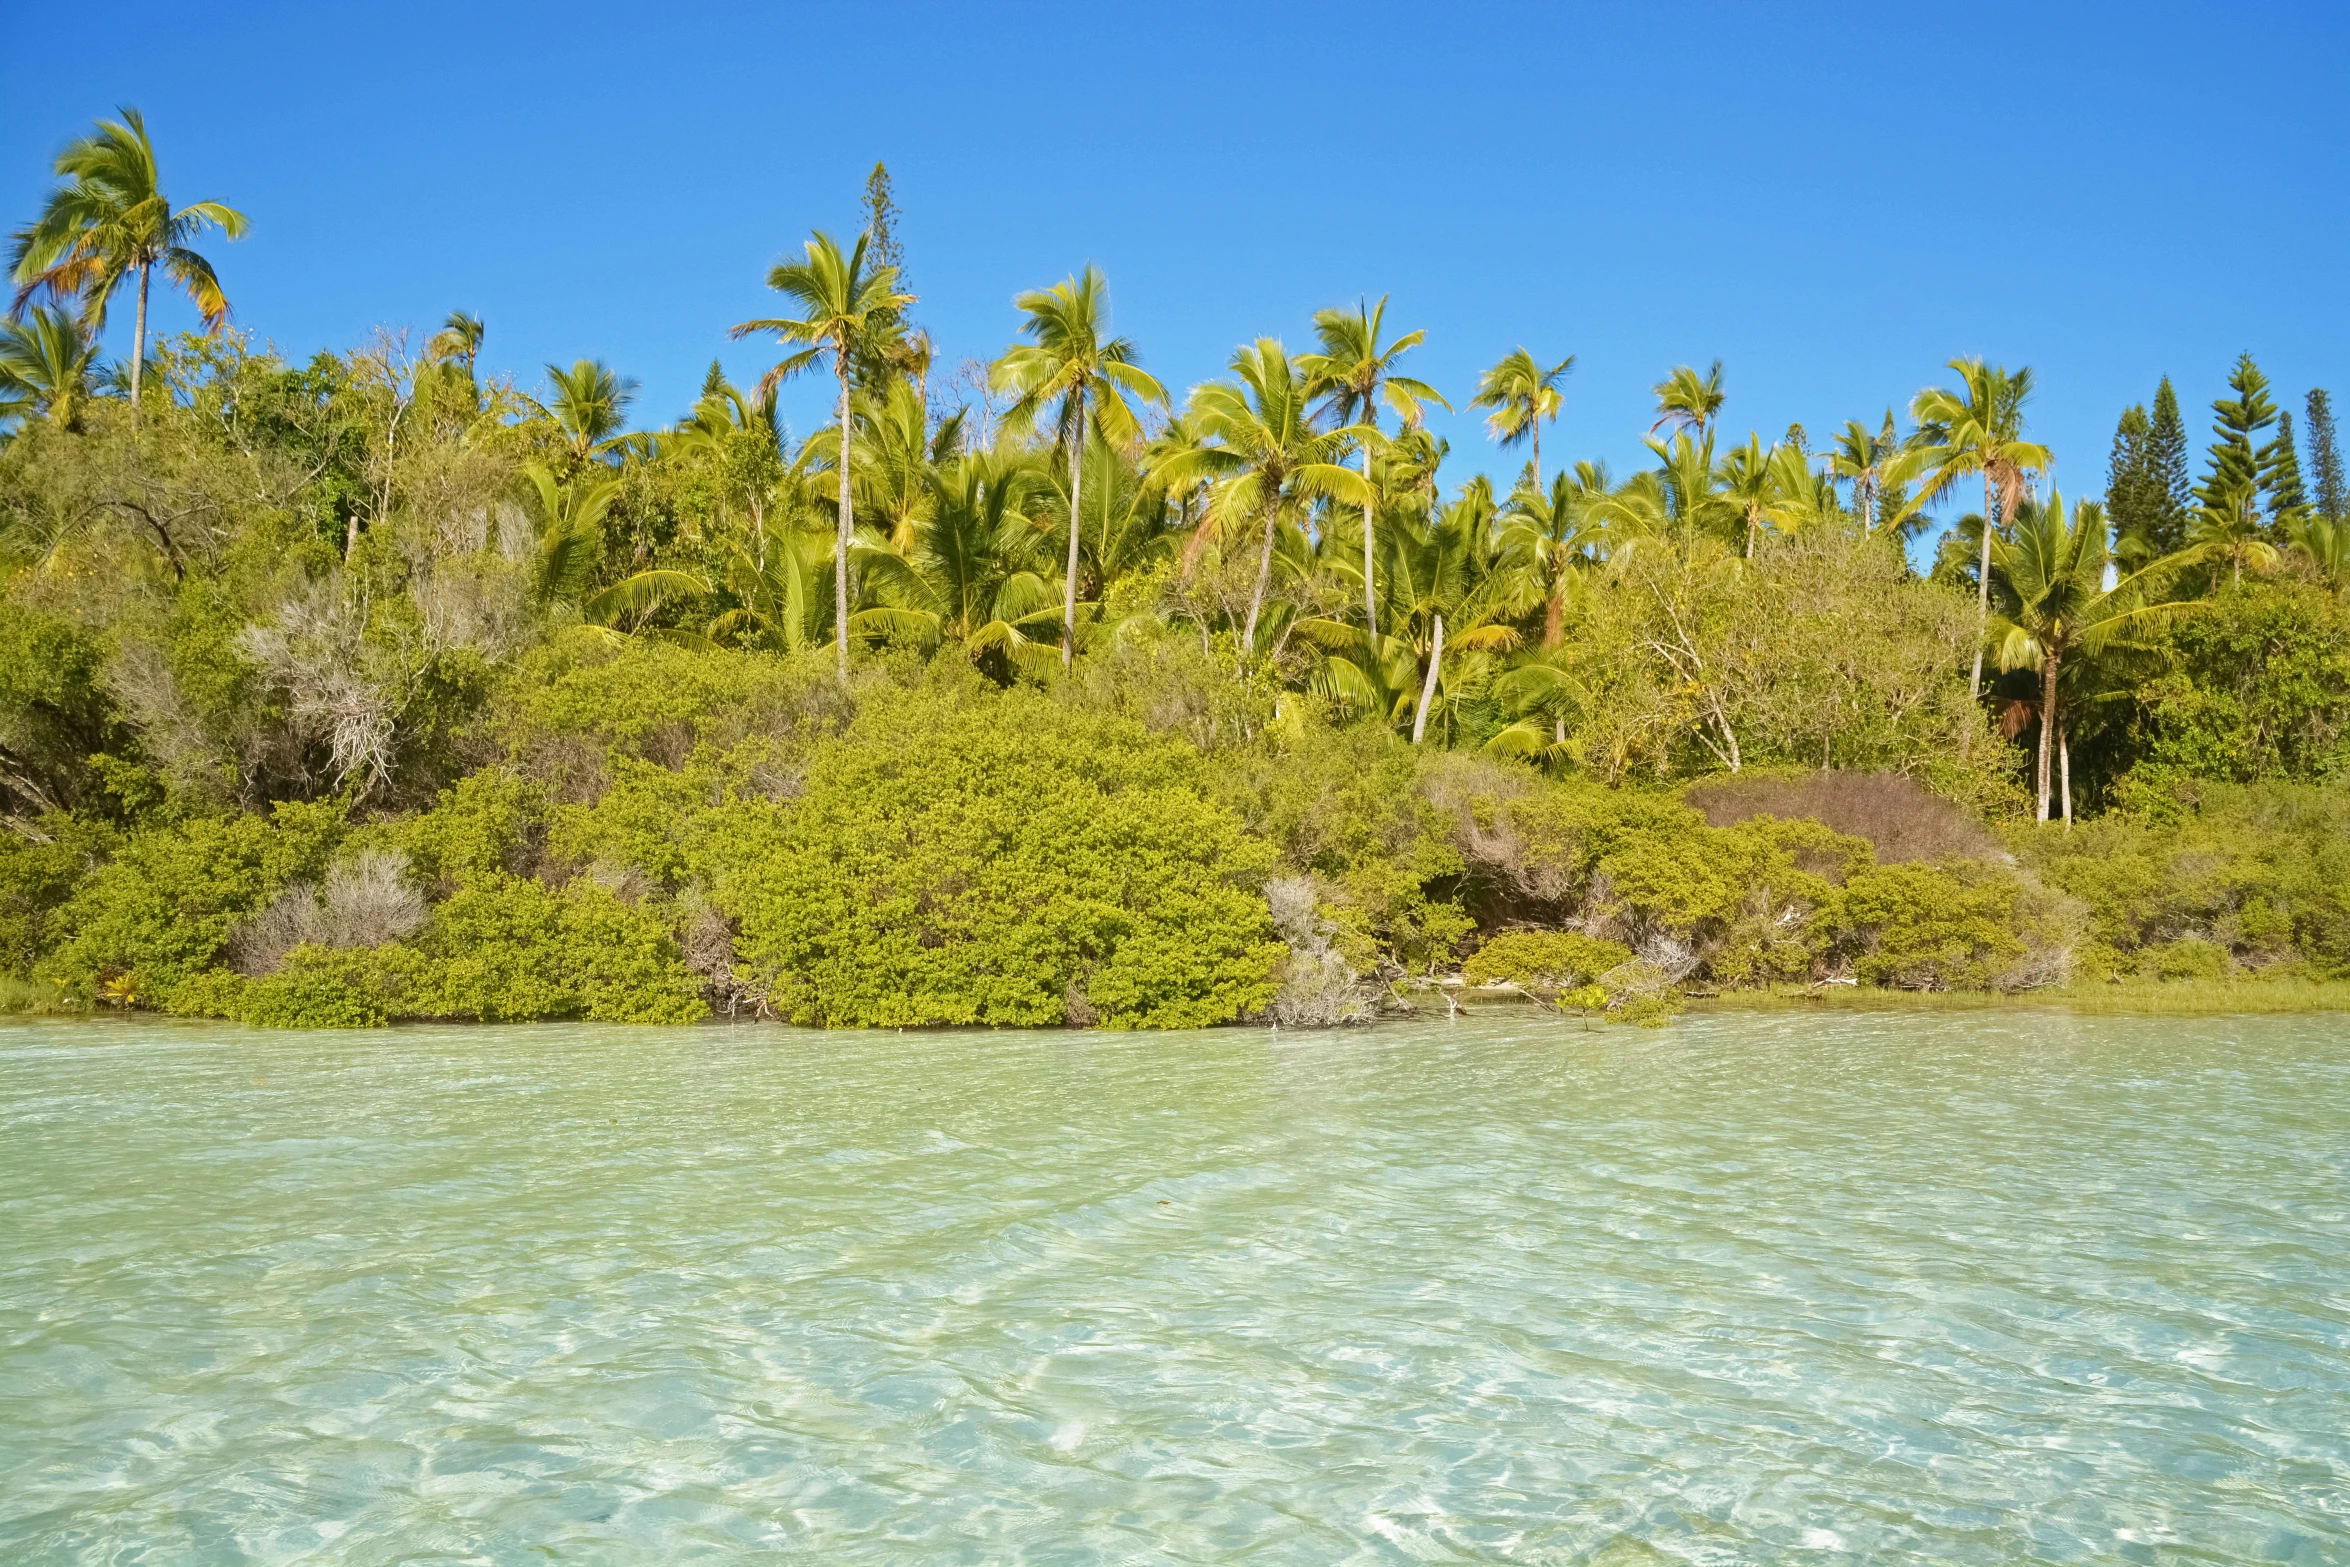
1370 600
1428 685
840 562
1076 510
2064 766
1256 601
2047 726
1974 683
138 344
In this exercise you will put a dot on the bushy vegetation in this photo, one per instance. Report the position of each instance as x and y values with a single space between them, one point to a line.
370 688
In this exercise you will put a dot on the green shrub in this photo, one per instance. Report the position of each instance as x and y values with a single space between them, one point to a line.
1544 959
503 949
962 858
1930 927
36 879
307 993
161 910
2189 957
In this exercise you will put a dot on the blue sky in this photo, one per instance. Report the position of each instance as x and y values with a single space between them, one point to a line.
1834 199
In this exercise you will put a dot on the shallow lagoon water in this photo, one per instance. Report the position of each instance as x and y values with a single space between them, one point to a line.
1959 1288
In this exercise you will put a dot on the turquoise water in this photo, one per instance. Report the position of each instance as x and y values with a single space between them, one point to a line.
1861 1289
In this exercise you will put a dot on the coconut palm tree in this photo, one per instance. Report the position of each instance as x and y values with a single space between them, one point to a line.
1977 427
2053 604
1354 373
980 574
590 406
1070 368
846 310
1268 463
1688 401
48 365
1556 533
1876 466
111 220
457 342
1522 396
2325 543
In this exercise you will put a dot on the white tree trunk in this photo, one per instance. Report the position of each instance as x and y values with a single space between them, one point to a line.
840 562
1076 511
1974 683
1428 686
139 344
1370 599
2064 762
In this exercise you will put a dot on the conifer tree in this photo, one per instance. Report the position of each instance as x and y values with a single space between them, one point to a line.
2280 475
888 351
2325 458
2239 468
2134 497
2166 455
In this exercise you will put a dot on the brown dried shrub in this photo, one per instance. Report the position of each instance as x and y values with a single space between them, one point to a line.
1899 816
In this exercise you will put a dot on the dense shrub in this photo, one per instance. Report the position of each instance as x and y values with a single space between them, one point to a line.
1544 959
161 911
1930 927
1004 861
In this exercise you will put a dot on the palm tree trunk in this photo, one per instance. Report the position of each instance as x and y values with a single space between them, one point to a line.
1554 614
840 560
1370 600
2047 726
1076 511
2064 763
139 342
1256 602
1428 686
1974 684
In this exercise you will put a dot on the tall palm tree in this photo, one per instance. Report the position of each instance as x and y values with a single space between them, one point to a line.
1688 401
458 342
1978 427
590 406
980 573
48 365
1555 533
1522 396
1758 484
1268 463
1070 368
846 309
1354 372
2053 604
1876 466
110 221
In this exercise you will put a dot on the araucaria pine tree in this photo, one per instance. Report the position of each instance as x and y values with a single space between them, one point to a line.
2280 476
2166 455
2240 467
2325 459
2134 497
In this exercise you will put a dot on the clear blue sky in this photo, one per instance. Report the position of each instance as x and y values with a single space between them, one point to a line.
1834 199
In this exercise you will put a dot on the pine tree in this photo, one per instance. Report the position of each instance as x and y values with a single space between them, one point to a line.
2325 459
2239 468
881 224
2280 476
2134 498
2166 455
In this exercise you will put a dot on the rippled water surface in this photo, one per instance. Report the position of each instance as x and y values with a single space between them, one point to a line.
1863 1288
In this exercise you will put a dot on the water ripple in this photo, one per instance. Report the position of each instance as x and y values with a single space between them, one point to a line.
1747 1290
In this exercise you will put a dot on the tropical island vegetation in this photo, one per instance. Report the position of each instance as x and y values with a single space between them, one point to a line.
373 686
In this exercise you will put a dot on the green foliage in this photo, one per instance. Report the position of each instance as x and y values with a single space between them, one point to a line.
2255 687
1544 959
1004 862
1930 927
38 875
160 911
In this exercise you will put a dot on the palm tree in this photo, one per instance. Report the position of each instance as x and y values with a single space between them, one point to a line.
48 365
1556 533
457 342
2054 606
1688 401
846 309
110 221
590 407
2229 523
1876 466
1764 487
980 574
1522 395
1268 462
1354 372
1071 368
1978 428
2325 543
